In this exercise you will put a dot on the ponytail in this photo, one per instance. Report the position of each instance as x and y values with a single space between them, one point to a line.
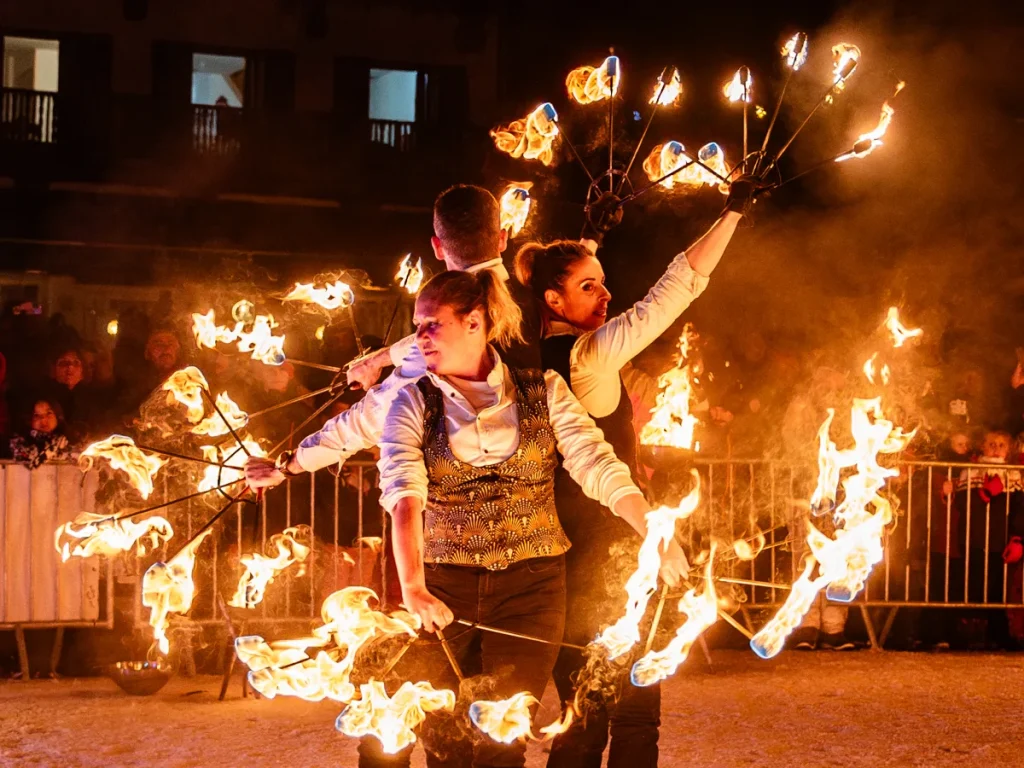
543 267
466 291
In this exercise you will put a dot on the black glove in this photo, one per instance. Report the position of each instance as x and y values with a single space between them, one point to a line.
602 215
741 194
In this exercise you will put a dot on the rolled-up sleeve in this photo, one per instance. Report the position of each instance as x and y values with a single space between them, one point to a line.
586 456
403 473
599 355
357 429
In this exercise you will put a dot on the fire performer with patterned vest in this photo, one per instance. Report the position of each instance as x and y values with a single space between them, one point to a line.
591 354
468 461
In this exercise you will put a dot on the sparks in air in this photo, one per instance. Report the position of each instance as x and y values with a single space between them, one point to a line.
795 51
336 295
900 333
667 92
515 205
591 84
409 275
739 88
531 138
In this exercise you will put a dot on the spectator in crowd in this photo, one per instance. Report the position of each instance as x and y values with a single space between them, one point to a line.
162 357
44 439
989 500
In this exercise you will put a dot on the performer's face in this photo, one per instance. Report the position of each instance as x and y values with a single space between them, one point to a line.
583 300
450 345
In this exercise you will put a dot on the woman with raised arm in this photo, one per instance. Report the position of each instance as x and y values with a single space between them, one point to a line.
593 354
468 460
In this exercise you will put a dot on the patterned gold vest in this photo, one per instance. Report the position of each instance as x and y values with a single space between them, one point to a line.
493 516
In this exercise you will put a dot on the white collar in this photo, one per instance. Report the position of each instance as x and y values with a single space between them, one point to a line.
496 264
558 327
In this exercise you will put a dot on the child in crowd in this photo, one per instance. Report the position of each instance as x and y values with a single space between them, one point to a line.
988 501
45 439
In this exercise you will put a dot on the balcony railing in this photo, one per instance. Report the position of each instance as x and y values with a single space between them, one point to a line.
393 133
217 130
28 116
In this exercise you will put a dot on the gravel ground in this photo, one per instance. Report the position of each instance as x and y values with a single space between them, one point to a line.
809 709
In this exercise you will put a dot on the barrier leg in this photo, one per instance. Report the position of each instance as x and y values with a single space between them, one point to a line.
704 647
869 625
887 627
58 647
19 636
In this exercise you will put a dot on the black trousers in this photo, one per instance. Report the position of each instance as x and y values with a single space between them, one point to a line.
529 598
597 567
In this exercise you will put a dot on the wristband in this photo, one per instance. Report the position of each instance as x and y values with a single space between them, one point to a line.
283 460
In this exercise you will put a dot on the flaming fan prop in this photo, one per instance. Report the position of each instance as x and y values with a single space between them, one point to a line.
668 165
840 566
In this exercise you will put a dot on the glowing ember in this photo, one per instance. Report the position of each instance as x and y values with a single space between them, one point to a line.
123 454
701 612
795 51
260 569
260 342
588 85
283 668
531 138
168 588
337 295
738 89
505 721
673 90
899 332
227 453
621 636
186 387
515 205
392 719
96 534
215 426
671 422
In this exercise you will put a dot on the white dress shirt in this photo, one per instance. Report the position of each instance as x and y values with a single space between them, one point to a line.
360 427
490 435
599 355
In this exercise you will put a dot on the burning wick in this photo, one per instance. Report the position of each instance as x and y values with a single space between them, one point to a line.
588 85
531 138
795 51
673 89
515 206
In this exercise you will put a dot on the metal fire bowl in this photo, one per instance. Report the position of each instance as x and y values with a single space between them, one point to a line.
140 678
666 457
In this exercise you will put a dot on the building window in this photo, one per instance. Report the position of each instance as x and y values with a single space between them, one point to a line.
218 81
31 64
393 95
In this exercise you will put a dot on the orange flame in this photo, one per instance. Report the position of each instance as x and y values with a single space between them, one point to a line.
215 426
588 85
867 142
701 612
505 721
186 387
410 276
671 422
673 90
869 370
845 57
122 454
739 88
621 636
283 668
260 342
748 549
900 333
336 295
532 137
515 206
261 569
214 476
168 588
98 534
392 719
795 51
